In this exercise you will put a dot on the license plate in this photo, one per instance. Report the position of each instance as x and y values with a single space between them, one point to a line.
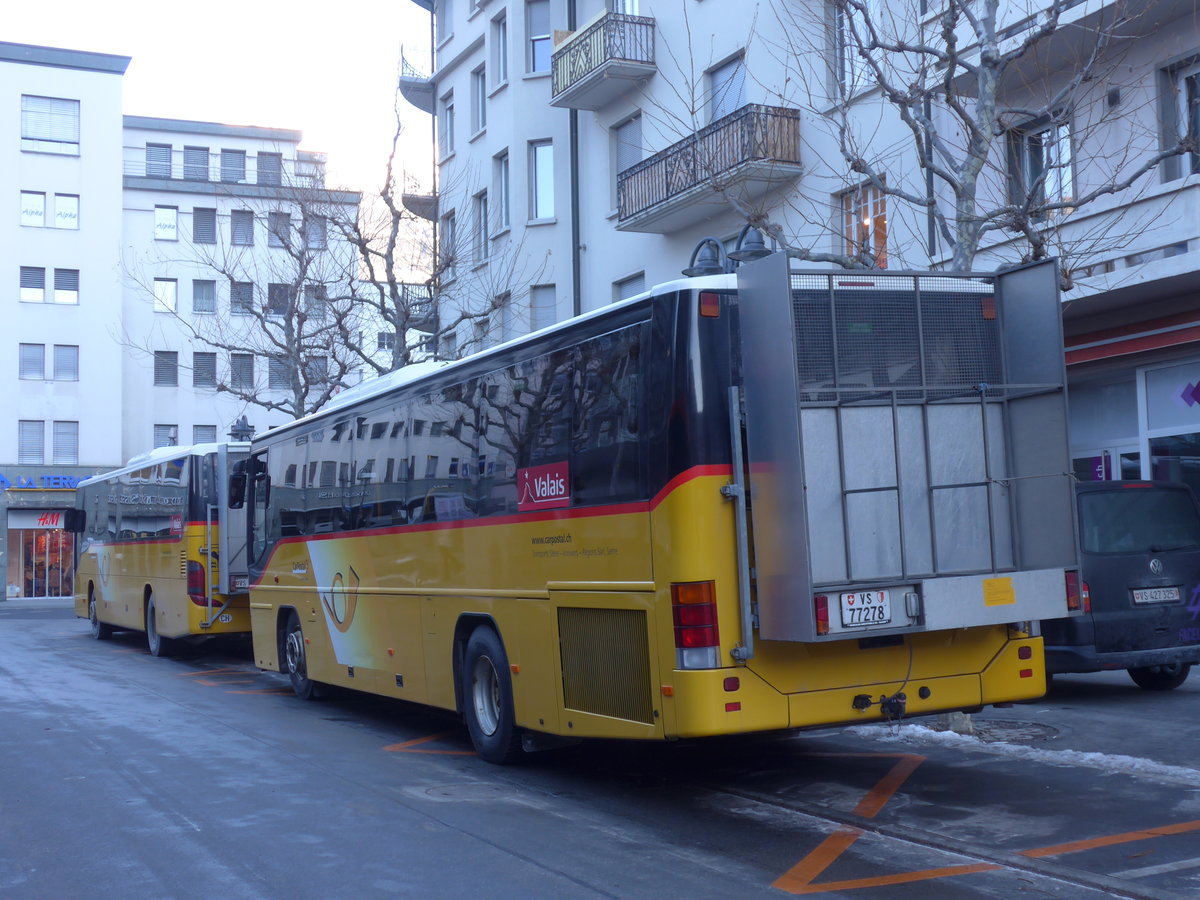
1155 595
241 582
866 608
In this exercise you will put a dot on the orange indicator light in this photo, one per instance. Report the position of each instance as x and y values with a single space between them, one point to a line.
667 690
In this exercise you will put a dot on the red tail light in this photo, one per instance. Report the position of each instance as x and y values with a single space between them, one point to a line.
1078 595
693 605
197 583
821 611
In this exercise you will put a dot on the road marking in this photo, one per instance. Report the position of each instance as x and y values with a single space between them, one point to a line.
1111 839
1162 869
280 691
413 746
228 670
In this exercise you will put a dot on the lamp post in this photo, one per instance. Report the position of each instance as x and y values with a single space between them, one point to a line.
710 258
241 430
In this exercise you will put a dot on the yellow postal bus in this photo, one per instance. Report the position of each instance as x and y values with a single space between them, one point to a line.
157 552
736 503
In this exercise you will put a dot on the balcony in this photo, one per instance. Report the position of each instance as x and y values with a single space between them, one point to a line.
416 87
602 62
142 166
745 155
423 206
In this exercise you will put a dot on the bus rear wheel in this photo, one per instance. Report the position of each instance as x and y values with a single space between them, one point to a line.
157 644
487 688
100 630
295 660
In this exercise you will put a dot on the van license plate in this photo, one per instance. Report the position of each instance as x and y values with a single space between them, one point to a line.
866 608
1155 595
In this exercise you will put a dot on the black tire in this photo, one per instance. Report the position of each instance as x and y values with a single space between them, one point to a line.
100 630
488 700
157 644
294 660
1160 678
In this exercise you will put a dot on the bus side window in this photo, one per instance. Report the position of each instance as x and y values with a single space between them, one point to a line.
606 435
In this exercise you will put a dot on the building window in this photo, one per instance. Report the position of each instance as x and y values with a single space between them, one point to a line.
33 209
537 33
233 166
500 49
479 213
204 369
387 341
195 163
279 229
204 296
241 371
166 223
503 206
279 299
542 311
479 93
853 72
66 444
66 211
446 125
278 377
241 228
315 233
864 225
443 14
629 287
66 286
541 181
270 168
166 368
316 301
31 442
626 149
503 317
316 369
204 434
66 362
33 284
158 160
241 297
726 88
1040 168
33 362
204 225
449 247
166 435
50 125
165 295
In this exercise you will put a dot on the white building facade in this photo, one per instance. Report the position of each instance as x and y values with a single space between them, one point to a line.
584 148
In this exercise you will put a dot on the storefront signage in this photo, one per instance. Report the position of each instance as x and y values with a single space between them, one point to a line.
35 518
40 482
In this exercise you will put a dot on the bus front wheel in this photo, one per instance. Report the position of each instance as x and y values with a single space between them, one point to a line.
100 630
295 660
489 698
158 645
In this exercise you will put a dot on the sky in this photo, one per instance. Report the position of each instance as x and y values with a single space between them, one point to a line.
327 69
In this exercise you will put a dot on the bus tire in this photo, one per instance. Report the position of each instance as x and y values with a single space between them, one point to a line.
488 698
155 642
1160 678
295 660
101 631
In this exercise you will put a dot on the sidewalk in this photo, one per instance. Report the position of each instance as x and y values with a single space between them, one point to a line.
36 602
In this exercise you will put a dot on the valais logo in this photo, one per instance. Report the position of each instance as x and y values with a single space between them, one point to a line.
543 487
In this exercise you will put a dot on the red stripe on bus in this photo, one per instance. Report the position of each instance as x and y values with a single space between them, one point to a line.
689 475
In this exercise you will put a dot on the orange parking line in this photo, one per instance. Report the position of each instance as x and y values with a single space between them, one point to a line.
409 746
228 670
900 878
879 795
1111 839
221 683
800 876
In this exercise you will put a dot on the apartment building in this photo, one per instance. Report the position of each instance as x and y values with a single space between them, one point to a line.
586 148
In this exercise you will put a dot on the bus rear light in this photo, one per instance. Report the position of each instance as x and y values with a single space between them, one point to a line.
732 683
694 610
197 583
1025 652
735 706
1026 673
821 611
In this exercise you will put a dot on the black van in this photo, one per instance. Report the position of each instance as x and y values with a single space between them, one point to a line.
1139 558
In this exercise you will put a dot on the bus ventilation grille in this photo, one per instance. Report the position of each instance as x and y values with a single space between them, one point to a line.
606 662
183 563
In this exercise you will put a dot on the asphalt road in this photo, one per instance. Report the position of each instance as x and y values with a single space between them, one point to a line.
126 776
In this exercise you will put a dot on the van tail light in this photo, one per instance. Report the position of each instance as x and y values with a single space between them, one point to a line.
1079 598
697 638
821 611
197 584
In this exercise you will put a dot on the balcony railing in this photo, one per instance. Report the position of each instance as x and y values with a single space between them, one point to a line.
751 151
416 86
293 173
603 61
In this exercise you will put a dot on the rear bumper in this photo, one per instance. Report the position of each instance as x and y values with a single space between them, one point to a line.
1087 659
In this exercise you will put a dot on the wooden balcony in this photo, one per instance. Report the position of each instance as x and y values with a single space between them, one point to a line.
602 61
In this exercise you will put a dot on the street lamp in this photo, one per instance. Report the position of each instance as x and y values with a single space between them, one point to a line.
750 245
708 258
241 430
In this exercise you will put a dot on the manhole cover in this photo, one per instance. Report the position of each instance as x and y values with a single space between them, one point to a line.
469 792
1014 732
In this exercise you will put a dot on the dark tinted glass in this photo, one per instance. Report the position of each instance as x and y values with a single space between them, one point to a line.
1137 519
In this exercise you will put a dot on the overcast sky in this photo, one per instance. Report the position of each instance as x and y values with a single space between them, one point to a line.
327 69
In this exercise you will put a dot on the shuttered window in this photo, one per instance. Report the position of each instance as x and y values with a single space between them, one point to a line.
66 286
727 88
66 362
195 163
241 227
277 374
241 371
204 296
33 284
241 297
204 225
204 369
627 138
50 125
158 160
165 435
233 165
316 369
31 442
33 362
270 168
279 299
279 229
66 444
204 434
166 368
316 301
315 233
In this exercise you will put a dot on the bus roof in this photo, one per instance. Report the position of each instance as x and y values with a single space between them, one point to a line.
163 454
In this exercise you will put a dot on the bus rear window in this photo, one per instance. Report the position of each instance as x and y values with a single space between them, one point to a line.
1138 521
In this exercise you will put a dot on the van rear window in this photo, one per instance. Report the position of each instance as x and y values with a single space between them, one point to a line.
1141 520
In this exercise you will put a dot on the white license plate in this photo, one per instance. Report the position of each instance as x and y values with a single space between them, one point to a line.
1155 595
866 608
224 618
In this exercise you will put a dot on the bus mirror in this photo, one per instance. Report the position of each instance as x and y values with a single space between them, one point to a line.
74 521
237 486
